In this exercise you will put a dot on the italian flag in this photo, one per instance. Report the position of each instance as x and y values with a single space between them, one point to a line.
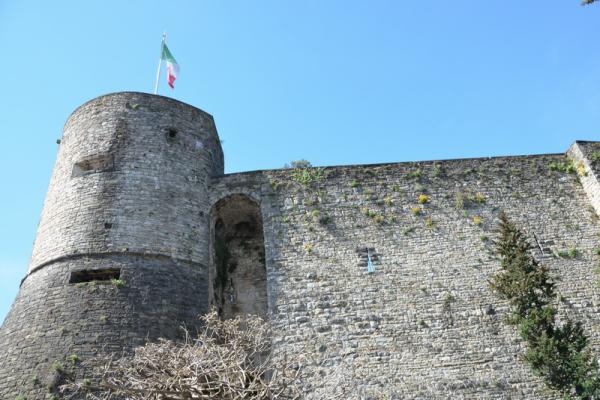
172 66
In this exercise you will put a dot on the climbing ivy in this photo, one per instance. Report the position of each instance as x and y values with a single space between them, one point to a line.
559 353
222 261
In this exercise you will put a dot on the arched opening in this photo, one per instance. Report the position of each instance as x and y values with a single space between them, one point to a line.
238 274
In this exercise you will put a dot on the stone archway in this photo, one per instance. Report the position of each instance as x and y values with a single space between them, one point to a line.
238 275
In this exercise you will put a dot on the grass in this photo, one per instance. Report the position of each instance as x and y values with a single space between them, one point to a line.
571 252
429 223
416 174
408 231
58 366
73 358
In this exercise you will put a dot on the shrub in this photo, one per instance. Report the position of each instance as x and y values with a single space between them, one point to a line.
559 354
308 176
567 166
416 174
479 198
229 359
118 282
429 223
298 164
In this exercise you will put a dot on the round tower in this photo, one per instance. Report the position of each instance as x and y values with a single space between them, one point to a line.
121 251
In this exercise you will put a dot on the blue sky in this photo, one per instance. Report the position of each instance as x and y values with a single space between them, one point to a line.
334 82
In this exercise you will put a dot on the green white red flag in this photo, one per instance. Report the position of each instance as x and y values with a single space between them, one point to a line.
172 66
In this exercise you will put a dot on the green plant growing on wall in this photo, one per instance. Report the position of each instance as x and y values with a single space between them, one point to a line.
58 366
422 199
416 210
594 157
459 201
117 282
479 198
308 176
571 252
436 170
73 358
396 188
222 259
448 300
415 174
429 223
408 231
558 353
567 166
302 163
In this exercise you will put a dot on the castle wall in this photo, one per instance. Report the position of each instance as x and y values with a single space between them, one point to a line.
137 187
424 324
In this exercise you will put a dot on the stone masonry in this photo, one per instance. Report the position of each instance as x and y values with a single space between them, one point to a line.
141 232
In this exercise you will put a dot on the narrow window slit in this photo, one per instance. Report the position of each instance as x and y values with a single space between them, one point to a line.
90 275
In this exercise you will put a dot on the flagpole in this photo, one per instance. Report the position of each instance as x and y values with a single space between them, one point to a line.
162 46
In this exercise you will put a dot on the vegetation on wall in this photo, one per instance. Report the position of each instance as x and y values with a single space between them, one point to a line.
558 352
222 264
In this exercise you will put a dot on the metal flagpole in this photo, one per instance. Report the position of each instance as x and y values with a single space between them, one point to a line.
162 46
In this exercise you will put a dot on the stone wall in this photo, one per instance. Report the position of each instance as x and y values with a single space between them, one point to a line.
424 324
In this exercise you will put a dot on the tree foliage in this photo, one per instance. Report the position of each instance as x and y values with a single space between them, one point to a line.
557 352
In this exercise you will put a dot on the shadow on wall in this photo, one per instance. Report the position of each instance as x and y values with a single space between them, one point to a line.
238 275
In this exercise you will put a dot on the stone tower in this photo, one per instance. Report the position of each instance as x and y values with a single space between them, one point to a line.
122 245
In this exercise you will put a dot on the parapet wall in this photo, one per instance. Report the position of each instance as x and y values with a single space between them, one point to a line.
424 324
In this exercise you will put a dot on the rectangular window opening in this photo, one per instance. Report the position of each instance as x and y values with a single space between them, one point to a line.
368 258
99 163
99 275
